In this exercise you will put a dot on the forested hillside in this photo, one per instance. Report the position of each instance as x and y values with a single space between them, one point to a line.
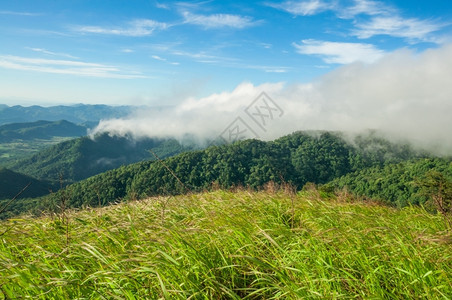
398 184
83 157
296 159
12 183
40 130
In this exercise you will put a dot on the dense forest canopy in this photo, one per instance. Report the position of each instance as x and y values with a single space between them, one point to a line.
296 159
368 165
80 158
399 184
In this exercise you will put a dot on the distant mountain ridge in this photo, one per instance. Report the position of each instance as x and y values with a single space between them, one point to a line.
40 130
79 114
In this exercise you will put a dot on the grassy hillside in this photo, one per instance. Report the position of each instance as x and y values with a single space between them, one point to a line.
224 245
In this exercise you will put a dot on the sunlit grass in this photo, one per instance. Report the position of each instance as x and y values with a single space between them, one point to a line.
230 246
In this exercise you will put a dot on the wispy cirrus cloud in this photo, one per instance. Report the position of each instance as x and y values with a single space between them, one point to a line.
412 29
162 5
206 57
369 18
19 13
366 7
159 58
387 20
67 67
219 20
267 69
135 28
303 8
202 56
51 53
340 53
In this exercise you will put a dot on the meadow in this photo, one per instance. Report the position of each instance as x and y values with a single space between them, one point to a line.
271 244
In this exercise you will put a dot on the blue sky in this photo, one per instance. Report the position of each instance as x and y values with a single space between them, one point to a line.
161 53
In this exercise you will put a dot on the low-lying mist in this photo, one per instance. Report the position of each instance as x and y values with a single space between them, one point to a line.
405 95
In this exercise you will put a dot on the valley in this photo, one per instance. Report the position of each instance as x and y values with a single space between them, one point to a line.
310 214
277 149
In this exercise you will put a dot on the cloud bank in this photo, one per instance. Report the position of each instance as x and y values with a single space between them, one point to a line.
405 94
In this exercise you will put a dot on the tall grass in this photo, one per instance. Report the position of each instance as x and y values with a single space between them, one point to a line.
224 245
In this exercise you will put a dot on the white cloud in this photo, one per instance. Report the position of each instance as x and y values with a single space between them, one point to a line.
303 8
162 5
219 20
203 56
404 94
44 51
156 57
366 7
136 28
275 70
267 69
339 53
67 67
203 118
396 26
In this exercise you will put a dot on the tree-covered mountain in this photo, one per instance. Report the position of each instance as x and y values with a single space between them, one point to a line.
81 113
297 159
11 183
83 157
399 184
40 130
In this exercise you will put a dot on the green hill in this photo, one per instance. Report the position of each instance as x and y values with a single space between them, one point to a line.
397 184
12 183
83 157
224 245
296 159
40 130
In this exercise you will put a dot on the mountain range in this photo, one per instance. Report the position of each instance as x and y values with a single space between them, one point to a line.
78 114
40 130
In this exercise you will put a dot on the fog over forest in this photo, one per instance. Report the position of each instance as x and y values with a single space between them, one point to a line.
404 95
